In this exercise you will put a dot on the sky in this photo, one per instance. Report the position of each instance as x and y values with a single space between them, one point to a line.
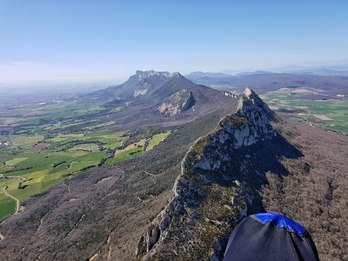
95 41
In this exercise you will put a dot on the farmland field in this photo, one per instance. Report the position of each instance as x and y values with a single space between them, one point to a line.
156 139
303 104
47 144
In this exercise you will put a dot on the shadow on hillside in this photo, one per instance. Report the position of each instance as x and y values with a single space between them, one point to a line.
250 164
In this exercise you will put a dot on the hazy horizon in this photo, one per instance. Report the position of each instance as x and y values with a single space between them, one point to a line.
102 43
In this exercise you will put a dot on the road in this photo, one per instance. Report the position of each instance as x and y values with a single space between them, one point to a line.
4 190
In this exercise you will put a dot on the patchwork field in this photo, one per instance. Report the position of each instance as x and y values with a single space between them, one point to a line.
312 106
27 170
42 146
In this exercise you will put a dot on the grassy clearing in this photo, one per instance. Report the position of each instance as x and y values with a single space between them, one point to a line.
100 125
26 141
68 137
86 147
125 155
7 206
132 150
137 148
156 139
14 162
59 126
11 121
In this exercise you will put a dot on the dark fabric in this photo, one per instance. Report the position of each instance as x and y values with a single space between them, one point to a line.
254 240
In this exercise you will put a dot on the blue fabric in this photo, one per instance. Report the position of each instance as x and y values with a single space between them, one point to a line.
280 220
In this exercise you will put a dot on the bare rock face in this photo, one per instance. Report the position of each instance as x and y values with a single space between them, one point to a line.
211 193
147 80
253 108
180 101
142 89
146 74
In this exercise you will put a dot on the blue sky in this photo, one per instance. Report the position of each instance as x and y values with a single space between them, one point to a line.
81 41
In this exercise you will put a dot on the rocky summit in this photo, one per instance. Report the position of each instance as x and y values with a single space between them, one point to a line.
149 80
217 183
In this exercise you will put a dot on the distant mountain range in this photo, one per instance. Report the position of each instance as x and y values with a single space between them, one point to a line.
263 82
197 75
329 70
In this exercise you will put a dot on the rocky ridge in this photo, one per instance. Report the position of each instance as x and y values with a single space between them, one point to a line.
210 194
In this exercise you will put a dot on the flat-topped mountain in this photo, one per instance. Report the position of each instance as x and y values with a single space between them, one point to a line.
138 84
161 96
151 86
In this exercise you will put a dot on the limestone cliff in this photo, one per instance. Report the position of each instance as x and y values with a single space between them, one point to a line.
148 80
213 191
177 103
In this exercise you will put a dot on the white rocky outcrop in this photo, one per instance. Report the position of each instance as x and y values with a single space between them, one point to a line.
177 103
140 92
143 87
145 74
147 80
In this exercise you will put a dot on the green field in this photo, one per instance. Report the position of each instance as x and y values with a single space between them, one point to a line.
329 113
138 148
156 139
63 156
53 142
7 206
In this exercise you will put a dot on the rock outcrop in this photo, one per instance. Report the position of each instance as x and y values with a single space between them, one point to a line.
146 74
180 101
148 80
211 193
142 88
